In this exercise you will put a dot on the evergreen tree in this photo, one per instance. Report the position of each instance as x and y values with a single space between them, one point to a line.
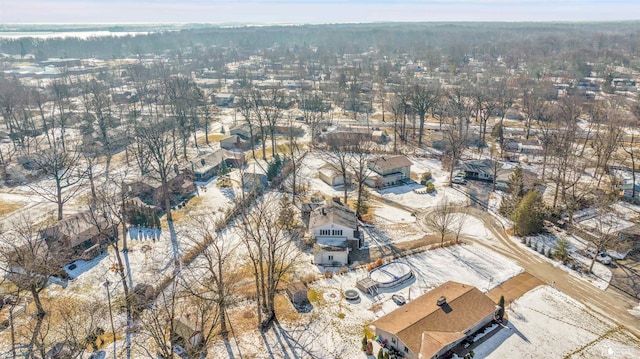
286 217
561 251
516 191
528 216
223 169
274 167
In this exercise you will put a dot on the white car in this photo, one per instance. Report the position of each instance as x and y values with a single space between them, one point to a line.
459 179
602 257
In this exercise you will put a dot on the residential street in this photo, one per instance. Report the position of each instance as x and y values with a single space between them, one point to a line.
611 303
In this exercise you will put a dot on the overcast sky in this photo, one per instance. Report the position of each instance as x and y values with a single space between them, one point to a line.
312 11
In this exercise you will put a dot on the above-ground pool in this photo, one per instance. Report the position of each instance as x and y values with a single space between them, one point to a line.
390 274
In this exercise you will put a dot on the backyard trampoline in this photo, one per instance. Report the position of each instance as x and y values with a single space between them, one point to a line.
351 294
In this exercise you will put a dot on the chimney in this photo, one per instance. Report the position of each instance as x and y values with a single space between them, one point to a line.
441 301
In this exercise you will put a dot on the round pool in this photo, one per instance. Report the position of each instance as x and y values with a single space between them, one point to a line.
390 274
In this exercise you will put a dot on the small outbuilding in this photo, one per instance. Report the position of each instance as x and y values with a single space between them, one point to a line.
297 293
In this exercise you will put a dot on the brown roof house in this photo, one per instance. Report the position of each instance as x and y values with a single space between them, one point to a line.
388 171
151 192
434 323
235 142
208 165
79 233
334 229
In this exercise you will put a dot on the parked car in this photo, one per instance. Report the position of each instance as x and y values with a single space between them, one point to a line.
459 179
179 350
602 256
101 354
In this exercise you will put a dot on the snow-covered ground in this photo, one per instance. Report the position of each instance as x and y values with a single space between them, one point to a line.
545 323
472 227
334 327
601 274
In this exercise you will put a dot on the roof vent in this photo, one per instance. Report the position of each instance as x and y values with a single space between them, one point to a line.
441 301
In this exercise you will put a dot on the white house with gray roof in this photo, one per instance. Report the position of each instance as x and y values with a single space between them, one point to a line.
388 171
334 229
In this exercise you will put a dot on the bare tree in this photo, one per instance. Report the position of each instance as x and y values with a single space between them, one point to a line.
398 112
79 326
213 279
338 156
99 113
157 325
294 152
65 169
269 237
359 164
604 231
157 143
314 107
107 213
28 262
632 146
62 104
459 222
245 106
422 99
457 134
441 218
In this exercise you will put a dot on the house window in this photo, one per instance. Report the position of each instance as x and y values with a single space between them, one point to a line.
337 232
393 340
406 350
330 258
325 232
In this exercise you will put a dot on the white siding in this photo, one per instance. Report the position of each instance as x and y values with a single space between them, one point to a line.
346 231
332 258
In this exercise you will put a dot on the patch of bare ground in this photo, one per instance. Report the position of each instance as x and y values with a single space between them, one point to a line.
213 137
9 207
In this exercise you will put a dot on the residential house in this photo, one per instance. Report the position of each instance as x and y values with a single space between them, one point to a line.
334 229
483 170
630 235
333 177
235 142
224 99
388 171
79 234
350 134
151 191
434 323
254 177
185 331
307 207
630 190
208 165
504 175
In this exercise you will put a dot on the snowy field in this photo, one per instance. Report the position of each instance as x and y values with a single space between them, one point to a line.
334 327
546 323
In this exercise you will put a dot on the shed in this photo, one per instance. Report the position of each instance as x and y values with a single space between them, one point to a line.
297 293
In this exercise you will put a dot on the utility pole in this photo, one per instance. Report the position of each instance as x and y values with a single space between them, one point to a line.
113 328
